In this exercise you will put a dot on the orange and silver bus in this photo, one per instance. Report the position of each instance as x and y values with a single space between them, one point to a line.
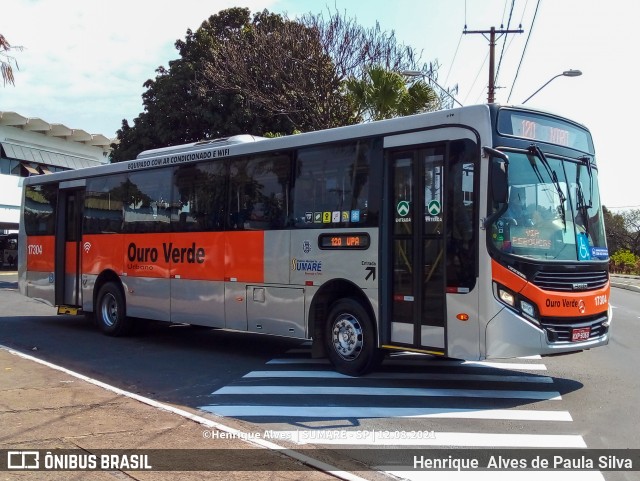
471 233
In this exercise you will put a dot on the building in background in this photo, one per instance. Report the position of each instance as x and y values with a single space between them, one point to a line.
32 146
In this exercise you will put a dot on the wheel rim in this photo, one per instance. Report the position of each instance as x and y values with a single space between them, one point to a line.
347 337
109 309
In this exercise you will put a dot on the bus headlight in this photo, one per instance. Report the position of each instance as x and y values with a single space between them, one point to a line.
523 306
527 308
506 296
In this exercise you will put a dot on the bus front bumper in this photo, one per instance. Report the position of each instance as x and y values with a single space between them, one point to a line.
509 335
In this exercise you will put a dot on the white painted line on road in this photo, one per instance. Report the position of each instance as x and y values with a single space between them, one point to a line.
466 440
420 376
384 391
361 412
424 362
237 434
498 475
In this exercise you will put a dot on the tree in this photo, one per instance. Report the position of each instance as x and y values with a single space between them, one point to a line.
623 230
6 60
236 75
384 94
266 73
354 49
624 261
279 67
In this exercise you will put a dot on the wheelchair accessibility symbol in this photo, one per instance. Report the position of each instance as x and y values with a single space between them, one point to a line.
584 253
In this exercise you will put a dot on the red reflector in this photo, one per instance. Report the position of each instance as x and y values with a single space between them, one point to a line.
308 283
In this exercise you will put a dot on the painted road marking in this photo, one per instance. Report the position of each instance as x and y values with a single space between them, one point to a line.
361 412
388 391
422 376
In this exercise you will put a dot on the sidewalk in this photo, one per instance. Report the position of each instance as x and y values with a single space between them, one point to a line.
42 408
628 282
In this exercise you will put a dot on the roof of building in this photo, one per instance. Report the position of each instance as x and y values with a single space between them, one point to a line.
35 124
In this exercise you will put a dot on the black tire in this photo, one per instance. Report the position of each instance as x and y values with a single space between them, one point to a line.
110 311
350 339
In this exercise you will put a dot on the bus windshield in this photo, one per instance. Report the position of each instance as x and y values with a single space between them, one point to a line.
554 210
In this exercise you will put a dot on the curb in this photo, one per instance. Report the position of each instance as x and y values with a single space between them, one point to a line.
628 287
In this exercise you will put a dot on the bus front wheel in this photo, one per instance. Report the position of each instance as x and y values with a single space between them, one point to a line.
110 312
350 339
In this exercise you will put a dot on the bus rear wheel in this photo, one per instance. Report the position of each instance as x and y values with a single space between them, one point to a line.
110 311
350 339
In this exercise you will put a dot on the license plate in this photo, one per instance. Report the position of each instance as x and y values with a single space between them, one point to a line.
580 334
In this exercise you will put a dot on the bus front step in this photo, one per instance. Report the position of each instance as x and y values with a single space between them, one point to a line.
74 311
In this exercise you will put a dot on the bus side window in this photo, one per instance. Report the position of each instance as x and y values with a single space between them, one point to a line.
259 191
332 182
198 197
147 201
462 228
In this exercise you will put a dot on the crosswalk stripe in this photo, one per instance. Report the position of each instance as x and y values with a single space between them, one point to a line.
424 362
340 412
449 439
494 475
424 376
382 391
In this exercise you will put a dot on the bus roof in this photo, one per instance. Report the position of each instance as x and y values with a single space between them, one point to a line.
223 141
248 144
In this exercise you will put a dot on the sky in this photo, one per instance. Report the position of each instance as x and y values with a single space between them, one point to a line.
84 62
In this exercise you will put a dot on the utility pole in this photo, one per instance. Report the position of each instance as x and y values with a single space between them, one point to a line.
492 55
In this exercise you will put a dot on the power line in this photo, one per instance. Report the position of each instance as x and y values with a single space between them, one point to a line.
535 14
453 60
476 79
504 42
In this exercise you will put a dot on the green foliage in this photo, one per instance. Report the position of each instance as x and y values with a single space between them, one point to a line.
623 230
384 94
240 74
183 104
625 261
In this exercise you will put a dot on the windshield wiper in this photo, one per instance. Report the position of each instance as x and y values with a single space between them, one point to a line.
587 162
583 207
534 149
581 204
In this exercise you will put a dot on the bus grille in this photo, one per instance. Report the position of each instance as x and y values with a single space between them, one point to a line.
571 281
559 329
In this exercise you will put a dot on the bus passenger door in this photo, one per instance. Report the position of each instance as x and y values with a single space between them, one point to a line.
416 230
68 290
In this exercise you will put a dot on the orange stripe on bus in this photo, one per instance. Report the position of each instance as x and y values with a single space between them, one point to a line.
198 255
507 278
40 253
554 303
244 256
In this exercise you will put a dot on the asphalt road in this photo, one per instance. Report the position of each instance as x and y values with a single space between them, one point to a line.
589 399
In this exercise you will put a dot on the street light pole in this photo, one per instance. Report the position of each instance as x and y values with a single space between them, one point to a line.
418 73
566 73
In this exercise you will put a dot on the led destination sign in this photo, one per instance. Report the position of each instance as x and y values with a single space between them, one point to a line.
344 241
544 129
